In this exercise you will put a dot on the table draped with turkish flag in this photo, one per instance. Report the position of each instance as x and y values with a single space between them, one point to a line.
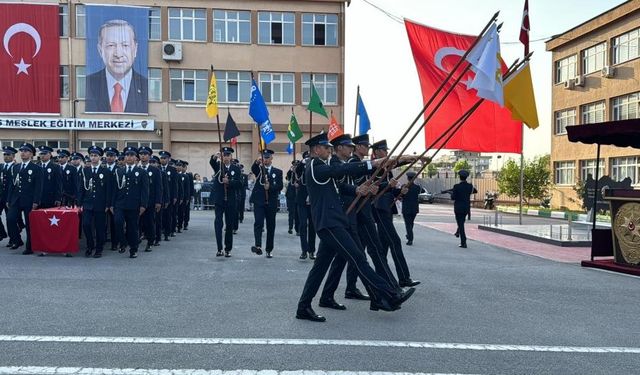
55 230
30 58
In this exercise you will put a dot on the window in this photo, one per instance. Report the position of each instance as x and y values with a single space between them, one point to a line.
276 28
154 24
81 80
594 58
187 24
63 11
564 172
588 167
626 107
319 30
64 82
277 88
155 146
592 113
625 47
326 85
84 145
155 85
231 26
566 69
234 87
56 144
564 118
81 21
627 167
189 85
15 143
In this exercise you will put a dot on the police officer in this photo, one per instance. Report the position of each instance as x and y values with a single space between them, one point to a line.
69 179
169 212
331 225
130 201
95 196
189 191
52 179
410 206
155 162
461 196
303 209
76 160
265 197
227 181
290 194
6 178
25 192
111 158
183 192
154 204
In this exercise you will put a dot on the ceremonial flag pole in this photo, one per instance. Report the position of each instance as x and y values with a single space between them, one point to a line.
315 105
212 110
355 118
524 38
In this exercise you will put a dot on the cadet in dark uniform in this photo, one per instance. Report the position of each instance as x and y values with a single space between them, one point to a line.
303 209
25 192
76 160
181 197
290 194
69 179
331 225
154 204
227 181
130 201
410 206
112 165
95 196
243 194
168 213
155 162
461 196
189 191
6 178
52 179
265 197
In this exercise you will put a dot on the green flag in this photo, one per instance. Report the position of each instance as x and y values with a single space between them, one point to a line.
315 104
294 133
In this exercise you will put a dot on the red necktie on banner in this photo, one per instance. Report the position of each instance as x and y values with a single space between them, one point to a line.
490 128
116 101
30 58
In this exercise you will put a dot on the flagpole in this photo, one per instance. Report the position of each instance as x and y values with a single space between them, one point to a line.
294 143
521 177
310 111
355 118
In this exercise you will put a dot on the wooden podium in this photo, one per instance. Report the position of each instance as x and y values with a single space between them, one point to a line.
625 225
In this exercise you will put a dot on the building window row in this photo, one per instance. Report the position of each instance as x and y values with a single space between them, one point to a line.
229 26
623 107
588 169
564 172
563 119
621 168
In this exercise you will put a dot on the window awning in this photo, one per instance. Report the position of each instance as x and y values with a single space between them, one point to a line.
624 133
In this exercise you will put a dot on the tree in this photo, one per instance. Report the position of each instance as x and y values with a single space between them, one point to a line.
537 179
431 170
461 164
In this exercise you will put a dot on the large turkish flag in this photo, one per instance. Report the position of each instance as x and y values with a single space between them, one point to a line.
29 58
55 230
490 128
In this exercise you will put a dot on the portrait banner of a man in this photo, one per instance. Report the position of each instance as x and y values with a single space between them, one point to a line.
117 59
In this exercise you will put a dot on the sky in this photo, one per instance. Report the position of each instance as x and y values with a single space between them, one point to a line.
379 59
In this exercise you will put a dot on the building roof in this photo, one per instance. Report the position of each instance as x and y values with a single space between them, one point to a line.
593 24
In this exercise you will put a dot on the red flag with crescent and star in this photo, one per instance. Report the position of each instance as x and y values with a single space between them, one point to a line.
490 128
29 58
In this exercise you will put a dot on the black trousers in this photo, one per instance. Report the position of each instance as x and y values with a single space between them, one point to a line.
158 225
408 224
337 267
94 225
294 221
187 213
241 201
461 215
168 219
3 232
113 237
130 219
261 214
228 212
339 240
371 241
149 224
14 216
180 216
391 241
306 229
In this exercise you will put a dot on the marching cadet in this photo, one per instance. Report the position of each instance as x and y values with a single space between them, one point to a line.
265 197
168 213
305 224
384 209
461 196
25 192
52 179
242 195
410 206
154 204
95 196
227 180
6 178
183 192
111 164
76 160
155 162
69 179
120 161
130 201
290 194
190 188
331 226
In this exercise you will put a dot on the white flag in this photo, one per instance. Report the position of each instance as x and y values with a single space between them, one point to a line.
486 62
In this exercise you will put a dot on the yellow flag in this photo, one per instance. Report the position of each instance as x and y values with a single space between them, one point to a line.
212 99
519 97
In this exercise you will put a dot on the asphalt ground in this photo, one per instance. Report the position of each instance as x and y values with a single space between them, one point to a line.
481 310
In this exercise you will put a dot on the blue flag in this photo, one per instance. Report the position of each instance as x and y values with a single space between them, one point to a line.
290 148
260 114
365 124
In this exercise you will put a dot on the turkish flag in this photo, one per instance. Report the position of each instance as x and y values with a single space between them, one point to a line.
55 230
490 128
29 58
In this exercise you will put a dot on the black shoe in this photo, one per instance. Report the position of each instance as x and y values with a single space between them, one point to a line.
256 250
172 234
179 231
219 253
290 231
298 234
156 243
312 256
98 254
88 253
356 294
309 314
332 304
269 254
9 244
235 232
383 305
457 234
408 283
133 254
227 254
122 250
402 297
303 256
185 228
464 246
17 245
409 243
27 252
166 238
68 255
148 248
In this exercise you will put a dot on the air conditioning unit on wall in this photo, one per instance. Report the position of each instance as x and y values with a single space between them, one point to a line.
172 51
608 71
579 81
569 84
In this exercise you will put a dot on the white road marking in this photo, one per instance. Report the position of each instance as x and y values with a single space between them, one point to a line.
38 370
319 342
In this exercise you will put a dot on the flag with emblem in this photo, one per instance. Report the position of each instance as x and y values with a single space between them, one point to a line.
290 148
486 61
55 230
334 128
212 98
260 114
293 132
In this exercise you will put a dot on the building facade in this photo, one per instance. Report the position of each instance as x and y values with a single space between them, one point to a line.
596 72
282 44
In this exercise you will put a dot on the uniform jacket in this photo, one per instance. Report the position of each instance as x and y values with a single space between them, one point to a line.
172 181
69 181
385 202
6 178
274 176
235 182
291 190
410 200
301 191
184 182
166 190
155 185
132 189
461 196
96 189
25 187
51 184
